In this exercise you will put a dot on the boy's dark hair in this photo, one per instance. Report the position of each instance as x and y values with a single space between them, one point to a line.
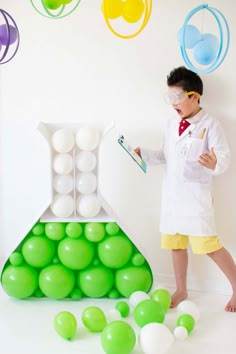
186 79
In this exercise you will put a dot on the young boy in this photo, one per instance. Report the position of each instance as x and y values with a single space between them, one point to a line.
194 150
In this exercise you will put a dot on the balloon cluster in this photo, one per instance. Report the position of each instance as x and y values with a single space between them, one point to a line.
118 336
131 11
74 165
73 260
9 37
47 8
207 49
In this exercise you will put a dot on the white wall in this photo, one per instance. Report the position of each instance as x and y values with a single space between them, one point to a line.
76 70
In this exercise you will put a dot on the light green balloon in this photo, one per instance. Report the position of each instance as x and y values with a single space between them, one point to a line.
112 228
186 321
65 324
95 281
123 308
148 311
16 259
20 282
131 279
38 251
115 251
38 229
163 297
74 230
94 319
55 230
56 281
118 337
76 254
94 231
138 259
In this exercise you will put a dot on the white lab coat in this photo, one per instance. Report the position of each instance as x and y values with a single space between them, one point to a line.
187 200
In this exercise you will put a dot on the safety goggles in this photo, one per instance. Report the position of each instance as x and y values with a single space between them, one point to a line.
176 97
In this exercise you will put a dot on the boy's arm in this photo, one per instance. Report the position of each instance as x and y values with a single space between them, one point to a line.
153 157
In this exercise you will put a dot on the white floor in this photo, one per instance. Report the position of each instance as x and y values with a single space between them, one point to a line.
26 327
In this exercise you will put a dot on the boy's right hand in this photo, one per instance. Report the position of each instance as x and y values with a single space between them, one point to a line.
137 150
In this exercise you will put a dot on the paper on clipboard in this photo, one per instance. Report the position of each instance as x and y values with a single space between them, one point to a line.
130 150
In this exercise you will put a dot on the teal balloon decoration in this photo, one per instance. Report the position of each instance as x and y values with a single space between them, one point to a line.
114 252
123 308
205 51
75 253
55 230
65 325
148 311
38 251
186 321
19 281
118 337
189 36
95 281
74 230
94 319
131 279
163 297
56 281
94 231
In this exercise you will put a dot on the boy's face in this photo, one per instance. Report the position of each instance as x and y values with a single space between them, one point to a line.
185 103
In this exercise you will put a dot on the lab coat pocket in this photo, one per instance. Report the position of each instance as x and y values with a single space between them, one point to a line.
195 149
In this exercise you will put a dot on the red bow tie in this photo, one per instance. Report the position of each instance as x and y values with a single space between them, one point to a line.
183 125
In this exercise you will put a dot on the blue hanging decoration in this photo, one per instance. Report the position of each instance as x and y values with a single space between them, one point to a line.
9 37
55 8
208 50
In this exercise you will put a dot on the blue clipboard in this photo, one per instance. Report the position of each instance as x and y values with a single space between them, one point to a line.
130 150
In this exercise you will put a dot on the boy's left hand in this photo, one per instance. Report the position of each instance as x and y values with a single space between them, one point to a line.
208 159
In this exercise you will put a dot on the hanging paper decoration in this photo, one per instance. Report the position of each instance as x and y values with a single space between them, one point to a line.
131 11
9 37
55 8
207 50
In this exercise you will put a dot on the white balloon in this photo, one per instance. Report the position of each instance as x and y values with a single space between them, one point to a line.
88 205
86 183
62 206
181 333
85 161
63 164
189 308
113 315
137 297
155 338
63 184
63 140
87 138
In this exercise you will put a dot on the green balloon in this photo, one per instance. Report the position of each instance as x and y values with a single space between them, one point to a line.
94 231
38 251
38 229
118 337
163 297
148 311
16 259
114 252
95 281
20 282
138 259
112 228
114 294
74 230
75 253
55 230
56 281
65 324
186 321
131 279
123 308
76 294
94 319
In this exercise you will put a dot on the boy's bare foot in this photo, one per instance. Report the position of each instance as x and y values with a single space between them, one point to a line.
177 297
231 306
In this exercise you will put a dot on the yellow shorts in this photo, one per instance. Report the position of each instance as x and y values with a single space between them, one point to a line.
199 244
